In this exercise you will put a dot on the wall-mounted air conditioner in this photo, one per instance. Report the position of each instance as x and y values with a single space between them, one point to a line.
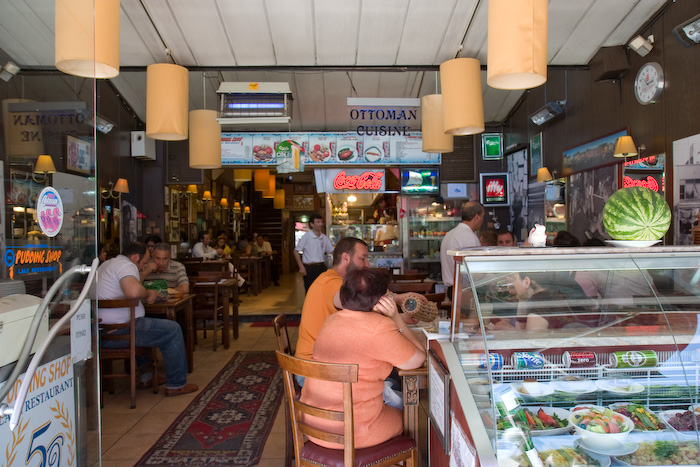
142 147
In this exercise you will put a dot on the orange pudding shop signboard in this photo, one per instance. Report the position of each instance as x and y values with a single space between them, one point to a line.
45 434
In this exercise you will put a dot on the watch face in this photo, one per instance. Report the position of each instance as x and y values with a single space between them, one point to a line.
649 83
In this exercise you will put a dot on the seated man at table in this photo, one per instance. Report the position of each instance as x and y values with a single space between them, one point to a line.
202 249
118 278
261 247
323 298
169 270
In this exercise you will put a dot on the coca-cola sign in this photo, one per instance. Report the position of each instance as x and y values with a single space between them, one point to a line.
647 181
350 180
495 189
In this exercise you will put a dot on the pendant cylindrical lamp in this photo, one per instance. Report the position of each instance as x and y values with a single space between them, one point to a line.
242 175
462 102
87 38
205 140
278 202
271 188
517 44
167 88
262 179
433 127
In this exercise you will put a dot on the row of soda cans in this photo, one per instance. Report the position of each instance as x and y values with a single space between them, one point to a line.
570 359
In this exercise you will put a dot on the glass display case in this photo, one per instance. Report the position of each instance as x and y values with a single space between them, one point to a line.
590 354
426 223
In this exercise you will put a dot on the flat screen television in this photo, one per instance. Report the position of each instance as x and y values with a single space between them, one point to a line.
419 181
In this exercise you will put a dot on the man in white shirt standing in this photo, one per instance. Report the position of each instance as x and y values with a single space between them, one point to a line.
202 248
314 245
460 237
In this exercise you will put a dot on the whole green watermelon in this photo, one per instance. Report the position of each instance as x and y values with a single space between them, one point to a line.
636 213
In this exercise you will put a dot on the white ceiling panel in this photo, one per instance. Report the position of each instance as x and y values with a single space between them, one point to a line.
139 44
475 39
27 32
163 17
454 34
292 28
310 101
563 18
422 38
642 10
336 24
132 87
248 30
336 86
381 27
592 31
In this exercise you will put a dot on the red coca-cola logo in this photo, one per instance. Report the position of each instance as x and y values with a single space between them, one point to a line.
364 181
649 182
495 187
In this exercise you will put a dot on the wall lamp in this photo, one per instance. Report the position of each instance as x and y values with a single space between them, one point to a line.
625 147
44 166
544 175
122 186
548 112
641 45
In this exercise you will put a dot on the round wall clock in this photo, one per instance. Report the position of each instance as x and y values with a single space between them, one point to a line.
649 83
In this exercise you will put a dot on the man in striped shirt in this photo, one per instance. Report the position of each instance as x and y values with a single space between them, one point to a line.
172 271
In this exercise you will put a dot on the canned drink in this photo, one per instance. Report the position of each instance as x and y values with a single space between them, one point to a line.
579 359
633 359
494 359
527 360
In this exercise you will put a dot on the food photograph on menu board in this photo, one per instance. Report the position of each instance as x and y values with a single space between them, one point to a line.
264 145
322 147
349 147
494 189
236 148
376 148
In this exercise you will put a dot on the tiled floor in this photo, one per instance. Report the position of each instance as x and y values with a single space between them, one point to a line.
127 434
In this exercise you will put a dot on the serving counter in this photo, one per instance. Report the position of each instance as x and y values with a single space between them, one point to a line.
576 356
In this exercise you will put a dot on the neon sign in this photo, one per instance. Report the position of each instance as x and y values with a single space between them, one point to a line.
365 181
649 182
30 260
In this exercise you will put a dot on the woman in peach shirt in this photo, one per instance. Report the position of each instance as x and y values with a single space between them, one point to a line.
368 331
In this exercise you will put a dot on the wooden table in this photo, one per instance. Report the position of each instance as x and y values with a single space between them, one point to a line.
168 309
229 292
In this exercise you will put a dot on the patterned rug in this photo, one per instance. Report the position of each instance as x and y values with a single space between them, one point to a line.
266 320
229 421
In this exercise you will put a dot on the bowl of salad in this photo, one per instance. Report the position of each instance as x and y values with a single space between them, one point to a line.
545 421
643 418
601 429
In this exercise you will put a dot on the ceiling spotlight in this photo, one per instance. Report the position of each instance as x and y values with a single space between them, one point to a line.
9 70
641 45
548 112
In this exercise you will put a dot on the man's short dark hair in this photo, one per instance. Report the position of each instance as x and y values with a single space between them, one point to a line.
153 238
136 248
202 234
506 231
362 289
564 238
313 217
162 247
471 209
345 245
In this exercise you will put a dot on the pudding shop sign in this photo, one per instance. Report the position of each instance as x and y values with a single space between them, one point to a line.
45 433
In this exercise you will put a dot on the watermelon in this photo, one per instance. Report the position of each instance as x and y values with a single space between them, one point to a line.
636 213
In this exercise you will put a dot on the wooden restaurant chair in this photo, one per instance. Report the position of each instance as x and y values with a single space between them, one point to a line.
418 287
417 277
310 454
284 345
208 304
129 353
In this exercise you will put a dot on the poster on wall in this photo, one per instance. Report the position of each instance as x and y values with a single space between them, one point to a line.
686 191
536 153
79 155
517 169
491 146
588 193
129 232
494 189
591 155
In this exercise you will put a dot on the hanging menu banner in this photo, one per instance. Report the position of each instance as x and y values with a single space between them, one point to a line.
319 149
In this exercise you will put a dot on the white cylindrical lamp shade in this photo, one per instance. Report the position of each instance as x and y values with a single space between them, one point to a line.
242 175
262 179
271 188
462 102
87 44
167 88
278 202
205 140
517 44
432 125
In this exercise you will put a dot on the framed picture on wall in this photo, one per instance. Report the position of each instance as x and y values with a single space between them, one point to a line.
495 189
491 146
166 195
174 231
174 204
591 155
78 155
535 153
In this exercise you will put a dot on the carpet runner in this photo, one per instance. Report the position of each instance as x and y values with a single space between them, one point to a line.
266 320
229 421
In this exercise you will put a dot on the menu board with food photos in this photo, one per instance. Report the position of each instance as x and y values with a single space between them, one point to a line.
324 149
